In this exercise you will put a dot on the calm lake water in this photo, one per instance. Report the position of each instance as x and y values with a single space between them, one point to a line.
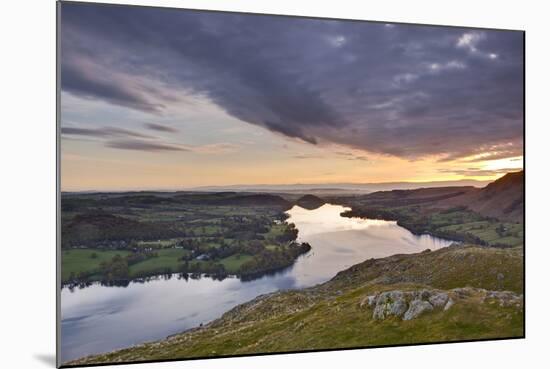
98 318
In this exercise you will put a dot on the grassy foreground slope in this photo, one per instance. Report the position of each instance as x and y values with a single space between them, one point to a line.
339 313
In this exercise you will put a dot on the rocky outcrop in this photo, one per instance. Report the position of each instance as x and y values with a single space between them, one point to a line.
417 308
404 304
409 305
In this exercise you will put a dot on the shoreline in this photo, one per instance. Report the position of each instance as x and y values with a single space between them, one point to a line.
304 249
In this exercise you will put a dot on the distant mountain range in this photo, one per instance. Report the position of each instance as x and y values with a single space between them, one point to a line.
340 187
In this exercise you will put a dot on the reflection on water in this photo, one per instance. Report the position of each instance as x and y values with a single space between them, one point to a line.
99 318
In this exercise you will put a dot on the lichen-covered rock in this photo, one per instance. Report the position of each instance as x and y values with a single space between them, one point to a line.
416 308
466 291
411 304
368 300
399 307
448 305
505 298
438 299
390 303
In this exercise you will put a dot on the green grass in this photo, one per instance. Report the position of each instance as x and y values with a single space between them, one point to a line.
234 262
275 231
81 261
487 231
166 259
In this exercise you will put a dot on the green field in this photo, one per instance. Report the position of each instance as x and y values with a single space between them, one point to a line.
167 259
233 263
510 234
81 261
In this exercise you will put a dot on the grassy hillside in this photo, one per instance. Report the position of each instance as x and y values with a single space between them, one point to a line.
501 199
343 312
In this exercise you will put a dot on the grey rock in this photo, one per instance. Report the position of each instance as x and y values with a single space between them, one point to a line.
438 299
369 300
390 303
464 292
448 305
425 294
500 276
379 311
416 308
505 298
399 307
421 295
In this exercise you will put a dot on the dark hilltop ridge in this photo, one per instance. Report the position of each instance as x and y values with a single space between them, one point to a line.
502 199
310 202
488 216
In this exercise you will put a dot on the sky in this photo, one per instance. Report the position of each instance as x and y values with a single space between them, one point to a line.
156 98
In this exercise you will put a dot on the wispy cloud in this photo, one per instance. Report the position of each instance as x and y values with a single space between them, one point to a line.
102 132
488 152
478 172
161 127
307 156
147 146
215 148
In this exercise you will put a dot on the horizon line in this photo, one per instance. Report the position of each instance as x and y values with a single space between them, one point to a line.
251 186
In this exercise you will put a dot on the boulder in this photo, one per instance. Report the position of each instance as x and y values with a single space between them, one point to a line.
416 308
399 307
448 305
369 300
438 299
390 303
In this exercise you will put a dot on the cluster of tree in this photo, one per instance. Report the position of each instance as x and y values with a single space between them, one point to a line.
99 228
271 260
209 267
371 213
137 257
289 234
78 277
502 230
115 269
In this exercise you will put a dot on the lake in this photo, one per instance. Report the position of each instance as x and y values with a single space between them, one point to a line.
98 318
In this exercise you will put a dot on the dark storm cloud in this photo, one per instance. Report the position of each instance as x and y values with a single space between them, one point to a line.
161 127
84 79
407 91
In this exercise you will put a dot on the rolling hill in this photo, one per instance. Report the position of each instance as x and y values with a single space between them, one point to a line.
502 199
